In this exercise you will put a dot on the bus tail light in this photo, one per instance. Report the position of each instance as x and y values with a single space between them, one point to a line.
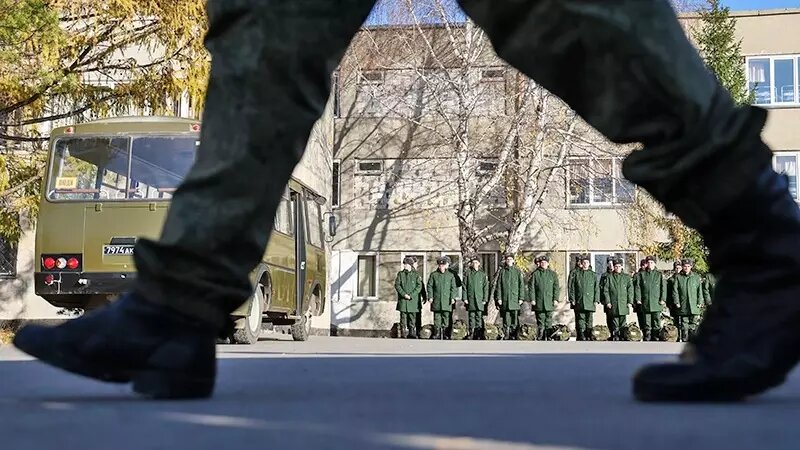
63 262
195 127
49 279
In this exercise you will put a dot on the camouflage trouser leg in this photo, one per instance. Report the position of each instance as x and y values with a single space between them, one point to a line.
583 323
270 79
511 319
652 325
628 68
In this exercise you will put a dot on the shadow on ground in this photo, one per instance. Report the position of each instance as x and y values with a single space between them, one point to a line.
454 402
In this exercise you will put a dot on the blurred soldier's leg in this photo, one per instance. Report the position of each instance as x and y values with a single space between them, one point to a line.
403 331
437 325
580 325
627 67
270 80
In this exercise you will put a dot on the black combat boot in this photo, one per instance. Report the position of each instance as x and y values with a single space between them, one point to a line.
749 339
164 354
646 335
435 334
403 332
412 332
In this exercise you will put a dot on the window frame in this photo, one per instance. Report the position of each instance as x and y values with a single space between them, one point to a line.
358 170
796 155
795 58
376 276
616 162
336 181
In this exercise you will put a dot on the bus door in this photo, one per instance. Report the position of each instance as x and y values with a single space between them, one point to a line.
300 250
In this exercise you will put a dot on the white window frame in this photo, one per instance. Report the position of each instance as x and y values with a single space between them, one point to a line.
600 270
494 161
377 276
364 80
796 155
772 91
337 163
614 203
358 170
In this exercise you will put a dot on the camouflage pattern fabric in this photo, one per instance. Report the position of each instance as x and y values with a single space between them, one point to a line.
527 332
669 333
601 333
632 333
426 332
459 330
560 333
492 332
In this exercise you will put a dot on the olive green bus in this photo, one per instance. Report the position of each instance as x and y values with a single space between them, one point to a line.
109 182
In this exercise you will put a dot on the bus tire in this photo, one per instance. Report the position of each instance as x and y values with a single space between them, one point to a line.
252 324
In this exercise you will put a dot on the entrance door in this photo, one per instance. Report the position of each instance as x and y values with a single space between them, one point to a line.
299 251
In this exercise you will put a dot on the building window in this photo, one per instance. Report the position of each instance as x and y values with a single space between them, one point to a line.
599 261
773 80
337 99
369 167
284 216
493 75
489 263
786 163
336 190
371 77
422 264
486 167
8 259
367 276
598 182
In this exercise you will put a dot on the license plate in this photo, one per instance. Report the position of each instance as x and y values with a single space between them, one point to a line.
117 250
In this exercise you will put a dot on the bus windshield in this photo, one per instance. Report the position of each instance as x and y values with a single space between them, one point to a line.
119 168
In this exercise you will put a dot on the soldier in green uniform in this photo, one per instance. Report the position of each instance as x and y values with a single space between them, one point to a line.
637 305
584 293
476 295
687 293
651 296
543 292
617 296
442 295
408 285
609 270
454 270
677 268
509 294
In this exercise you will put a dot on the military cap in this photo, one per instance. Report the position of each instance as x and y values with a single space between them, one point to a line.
643 262
441 260
447 259
508 255
651 258
611 259
688 261
677 263
586 257
409 260
617 261
475 258
544 258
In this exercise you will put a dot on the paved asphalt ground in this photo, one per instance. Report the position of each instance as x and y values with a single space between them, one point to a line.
341 393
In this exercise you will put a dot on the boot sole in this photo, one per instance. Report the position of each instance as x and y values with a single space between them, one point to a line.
152 383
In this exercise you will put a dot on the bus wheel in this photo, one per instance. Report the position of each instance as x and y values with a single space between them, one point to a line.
250 329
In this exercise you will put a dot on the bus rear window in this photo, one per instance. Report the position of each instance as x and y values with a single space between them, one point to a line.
97 168
159 164
89 169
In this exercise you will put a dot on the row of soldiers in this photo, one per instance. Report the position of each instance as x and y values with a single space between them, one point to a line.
646 292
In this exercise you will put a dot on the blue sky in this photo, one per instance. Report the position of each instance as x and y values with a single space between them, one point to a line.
762 4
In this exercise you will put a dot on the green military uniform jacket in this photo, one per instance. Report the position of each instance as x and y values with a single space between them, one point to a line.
652 290
584 291
543 290
603 279
618 292
476 288
510 289
687 293
442 289
670 289
408 282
